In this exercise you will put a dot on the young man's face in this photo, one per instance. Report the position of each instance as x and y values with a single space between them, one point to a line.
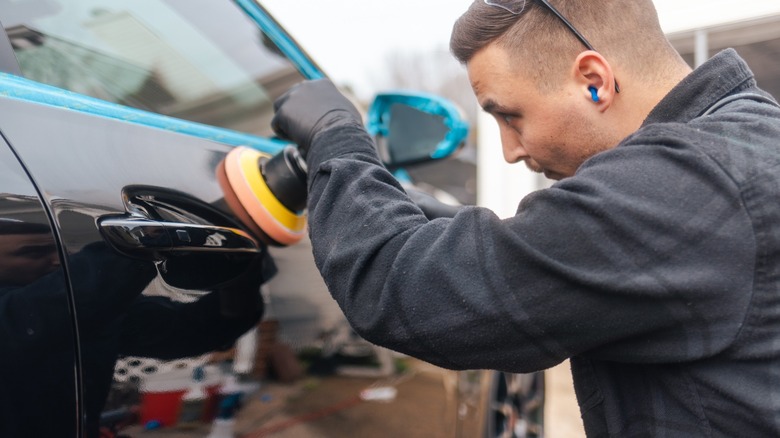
550 131
26 257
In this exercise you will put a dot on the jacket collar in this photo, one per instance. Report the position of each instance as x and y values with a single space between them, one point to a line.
723 74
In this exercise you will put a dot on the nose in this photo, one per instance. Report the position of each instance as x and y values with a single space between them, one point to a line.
512 146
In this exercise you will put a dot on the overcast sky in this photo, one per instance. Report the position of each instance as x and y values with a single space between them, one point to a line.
350 38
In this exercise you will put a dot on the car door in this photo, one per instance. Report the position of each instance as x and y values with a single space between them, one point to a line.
38 360
121 112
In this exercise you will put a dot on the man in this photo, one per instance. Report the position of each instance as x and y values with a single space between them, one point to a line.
653 264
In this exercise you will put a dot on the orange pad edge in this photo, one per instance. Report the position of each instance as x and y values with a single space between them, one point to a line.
235 205
243 174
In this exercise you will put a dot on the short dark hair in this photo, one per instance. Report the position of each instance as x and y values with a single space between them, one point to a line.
479 26
624 31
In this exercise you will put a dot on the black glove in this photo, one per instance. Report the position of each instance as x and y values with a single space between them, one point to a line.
310 107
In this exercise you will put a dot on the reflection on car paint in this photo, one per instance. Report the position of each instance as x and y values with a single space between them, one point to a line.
37 346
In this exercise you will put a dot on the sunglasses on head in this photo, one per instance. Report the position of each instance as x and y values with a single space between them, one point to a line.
515 7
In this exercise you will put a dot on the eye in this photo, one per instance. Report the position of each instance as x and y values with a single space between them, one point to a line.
507 118
511 121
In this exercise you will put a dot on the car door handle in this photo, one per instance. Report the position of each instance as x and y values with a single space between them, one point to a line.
155 239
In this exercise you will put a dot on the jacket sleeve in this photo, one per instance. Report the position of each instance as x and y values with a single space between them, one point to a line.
645 255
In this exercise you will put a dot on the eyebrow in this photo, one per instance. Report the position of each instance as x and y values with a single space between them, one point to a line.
492 107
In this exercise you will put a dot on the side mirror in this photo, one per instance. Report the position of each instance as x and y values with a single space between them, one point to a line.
412 128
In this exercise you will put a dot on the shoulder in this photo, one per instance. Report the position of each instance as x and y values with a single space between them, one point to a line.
658 180
730 147
661 159
738 142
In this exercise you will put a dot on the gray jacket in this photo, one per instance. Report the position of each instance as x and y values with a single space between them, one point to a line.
656 268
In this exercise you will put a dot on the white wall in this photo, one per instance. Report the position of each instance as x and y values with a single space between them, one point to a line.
500 186
681 15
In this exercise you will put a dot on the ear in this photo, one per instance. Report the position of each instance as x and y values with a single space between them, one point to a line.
590 69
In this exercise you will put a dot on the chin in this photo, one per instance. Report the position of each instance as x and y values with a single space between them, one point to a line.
536 168
533 166
553 175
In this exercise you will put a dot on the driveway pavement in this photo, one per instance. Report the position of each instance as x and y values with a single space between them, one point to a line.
423 402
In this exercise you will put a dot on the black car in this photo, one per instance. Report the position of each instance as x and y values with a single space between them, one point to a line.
121 252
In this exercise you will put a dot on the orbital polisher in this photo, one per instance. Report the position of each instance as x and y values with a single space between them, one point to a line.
267 193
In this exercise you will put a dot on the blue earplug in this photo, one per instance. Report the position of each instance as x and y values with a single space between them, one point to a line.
594 93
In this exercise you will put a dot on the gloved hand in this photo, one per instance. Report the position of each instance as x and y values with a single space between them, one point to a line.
310 107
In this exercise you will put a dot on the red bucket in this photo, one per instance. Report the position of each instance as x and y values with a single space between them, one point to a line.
161 396
161 406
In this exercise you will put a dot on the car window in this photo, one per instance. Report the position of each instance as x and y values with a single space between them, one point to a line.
198 60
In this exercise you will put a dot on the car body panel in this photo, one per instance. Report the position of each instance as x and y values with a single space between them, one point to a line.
37 332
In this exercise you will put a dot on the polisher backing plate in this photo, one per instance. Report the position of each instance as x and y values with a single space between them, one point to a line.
242 167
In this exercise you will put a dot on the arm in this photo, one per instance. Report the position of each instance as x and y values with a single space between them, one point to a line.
632 259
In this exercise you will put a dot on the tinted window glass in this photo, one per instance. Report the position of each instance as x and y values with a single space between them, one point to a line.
203 61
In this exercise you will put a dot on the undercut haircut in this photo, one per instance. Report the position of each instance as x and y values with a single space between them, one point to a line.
626 32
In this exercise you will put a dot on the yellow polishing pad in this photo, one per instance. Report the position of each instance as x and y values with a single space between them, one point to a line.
242 168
